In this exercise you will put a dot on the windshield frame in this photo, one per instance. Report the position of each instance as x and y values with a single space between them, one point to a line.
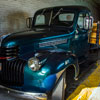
51 18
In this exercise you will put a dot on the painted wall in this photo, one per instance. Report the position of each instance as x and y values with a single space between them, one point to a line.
13 13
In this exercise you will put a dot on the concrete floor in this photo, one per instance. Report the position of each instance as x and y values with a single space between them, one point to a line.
7 97
89 84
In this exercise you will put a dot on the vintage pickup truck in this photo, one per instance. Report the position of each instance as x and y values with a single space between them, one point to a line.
44 59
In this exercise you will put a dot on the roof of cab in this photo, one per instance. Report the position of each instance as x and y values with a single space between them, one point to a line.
73 8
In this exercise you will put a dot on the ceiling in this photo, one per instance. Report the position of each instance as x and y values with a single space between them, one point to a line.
97 3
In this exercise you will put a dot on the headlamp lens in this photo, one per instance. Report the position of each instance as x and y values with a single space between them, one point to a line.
33 64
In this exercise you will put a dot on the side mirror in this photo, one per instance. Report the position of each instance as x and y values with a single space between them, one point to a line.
88 22
29 22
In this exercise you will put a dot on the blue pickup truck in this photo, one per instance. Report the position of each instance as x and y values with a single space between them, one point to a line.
44 60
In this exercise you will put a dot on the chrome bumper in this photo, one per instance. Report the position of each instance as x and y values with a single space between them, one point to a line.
23 95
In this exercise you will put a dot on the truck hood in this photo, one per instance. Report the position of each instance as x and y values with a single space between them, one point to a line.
29 42
28 36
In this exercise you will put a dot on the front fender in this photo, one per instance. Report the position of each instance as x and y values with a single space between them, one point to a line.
59 61
45 79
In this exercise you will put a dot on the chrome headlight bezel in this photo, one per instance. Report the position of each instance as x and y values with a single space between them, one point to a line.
34 64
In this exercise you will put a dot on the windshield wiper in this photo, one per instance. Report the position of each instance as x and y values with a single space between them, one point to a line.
57 13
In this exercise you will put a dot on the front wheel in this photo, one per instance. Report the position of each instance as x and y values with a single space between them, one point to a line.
59 91
62 90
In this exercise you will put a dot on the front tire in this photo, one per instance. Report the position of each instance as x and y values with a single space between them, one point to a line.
63 89
59 92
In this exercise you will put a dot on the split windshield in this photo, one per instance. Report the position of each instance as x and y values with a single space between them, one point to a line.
54 18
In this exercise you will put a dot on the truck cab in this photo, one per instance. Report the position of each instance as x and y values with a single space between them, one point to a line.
36 61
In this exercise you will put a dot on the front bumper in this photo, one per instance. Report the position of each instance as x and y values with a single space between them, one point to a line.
23 95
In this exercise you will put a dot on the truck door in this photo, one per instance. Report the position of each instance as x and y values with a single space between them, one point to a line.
81 36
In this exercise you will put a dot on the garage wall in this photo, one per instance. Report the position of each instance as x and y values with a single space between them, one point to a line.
14 12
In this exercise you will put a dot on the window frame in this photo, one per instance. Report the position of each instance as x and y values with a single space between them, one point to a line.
86 15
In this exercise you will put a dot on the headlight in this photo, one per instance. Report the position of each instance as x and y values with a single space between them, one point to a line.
33 64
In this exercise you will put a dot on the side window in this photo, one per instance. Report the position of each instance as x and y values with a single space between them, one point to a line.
81 20
40 20
66 17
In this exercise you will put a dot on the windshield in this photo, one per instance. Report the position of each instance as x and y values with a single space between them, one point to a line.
55 18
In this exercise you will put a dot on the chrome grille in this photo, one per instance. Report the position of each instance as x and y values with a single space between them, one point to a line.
9 52
12 73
